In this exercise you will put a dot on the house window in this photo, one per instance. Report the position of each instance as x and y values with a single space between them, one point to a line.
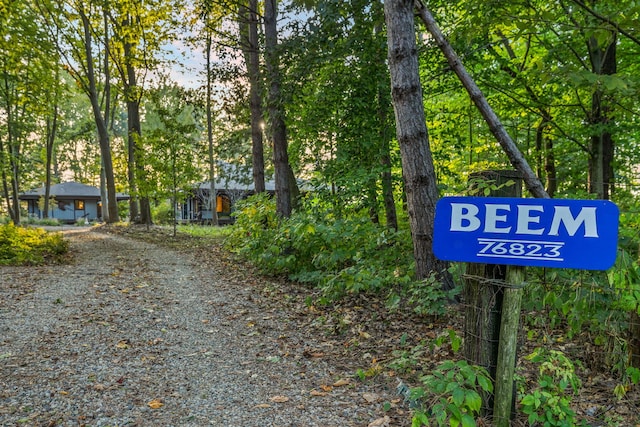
223 204
79 205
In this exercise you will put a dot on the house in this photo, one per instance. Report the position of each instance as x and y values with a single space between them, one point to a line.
234 183
228 192
71 202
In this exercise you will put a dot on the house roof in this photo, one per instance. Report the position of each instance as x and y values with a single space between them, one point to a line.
240 178
67 190
233 185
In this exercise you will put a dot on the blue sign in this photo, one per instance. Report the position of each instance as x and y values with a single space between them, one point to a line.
580 234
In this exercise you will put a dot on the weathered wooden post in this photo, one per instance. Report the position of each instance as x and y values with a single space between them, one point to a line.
507 346
484 288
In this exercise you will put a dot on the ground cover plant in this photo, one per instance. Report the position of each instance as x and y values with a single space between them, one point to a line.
30 246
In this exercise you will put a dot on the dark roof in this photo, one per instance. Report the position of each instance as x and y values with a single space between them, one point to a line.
68 190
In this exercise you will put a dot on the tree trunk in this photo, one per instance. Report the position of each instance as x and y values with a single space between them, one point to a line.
545 155
388 200
603 62
135 132
277 126
550 167
252 58
417 163
386 176
12 152
103 134
213 199
52 126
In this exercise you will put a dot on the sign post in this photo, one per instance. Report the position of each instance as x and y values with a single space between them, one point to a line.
581 234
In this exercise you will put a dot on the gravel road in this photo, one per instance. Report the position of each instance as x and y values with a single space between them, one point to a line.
135 334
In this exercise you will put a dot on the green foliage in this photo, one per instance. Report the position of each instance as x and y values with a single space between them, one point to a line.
204 231
163 213
40 221
451 395
549 404
339 255
406 359
30 246
426 296
624 277
486 187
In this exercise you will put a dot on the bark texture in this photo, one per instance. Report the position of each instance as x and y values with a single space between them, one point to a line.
411 130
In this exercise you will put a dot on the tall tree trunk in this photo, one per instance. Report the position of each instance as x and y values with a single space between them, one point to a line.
372 202
283 172
12 153
388 200
252 59
52 126
545 155
135 132
603 62
550 167
213 199
103 134
386 176
411 129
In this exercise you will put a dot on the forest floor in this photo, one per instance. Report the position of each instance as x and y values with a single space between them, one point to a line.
143 328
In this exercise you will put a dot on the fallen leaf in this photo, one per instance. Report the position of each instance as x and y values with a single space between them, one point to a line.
326 388
64 393
365 335
155 404
263 405
279 399
380 422
370 397
122 344
317 393
341 383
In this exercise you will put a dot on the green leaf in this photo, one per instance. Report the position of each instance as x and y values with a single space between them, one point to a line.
459 396
468 421
485 383
528 400
473 401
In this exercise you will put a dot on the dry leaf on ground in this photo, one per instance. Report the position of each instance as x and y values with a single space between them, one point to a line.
380 422
370 397
155 404
263 406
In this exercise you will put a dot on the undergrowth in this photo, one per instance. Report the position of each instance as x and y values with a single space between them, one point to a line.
30 246
340 255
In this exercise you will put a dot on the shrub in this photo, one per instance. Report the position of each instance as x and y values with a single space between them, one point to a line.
30 246
549 404
338 255
452 395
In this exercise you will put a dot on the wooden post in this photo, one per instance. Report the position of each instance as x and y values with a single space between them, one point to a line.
511 302
483 296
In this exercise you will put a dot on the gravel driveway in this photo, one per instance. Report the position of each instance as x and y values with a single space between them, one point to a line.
135 334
